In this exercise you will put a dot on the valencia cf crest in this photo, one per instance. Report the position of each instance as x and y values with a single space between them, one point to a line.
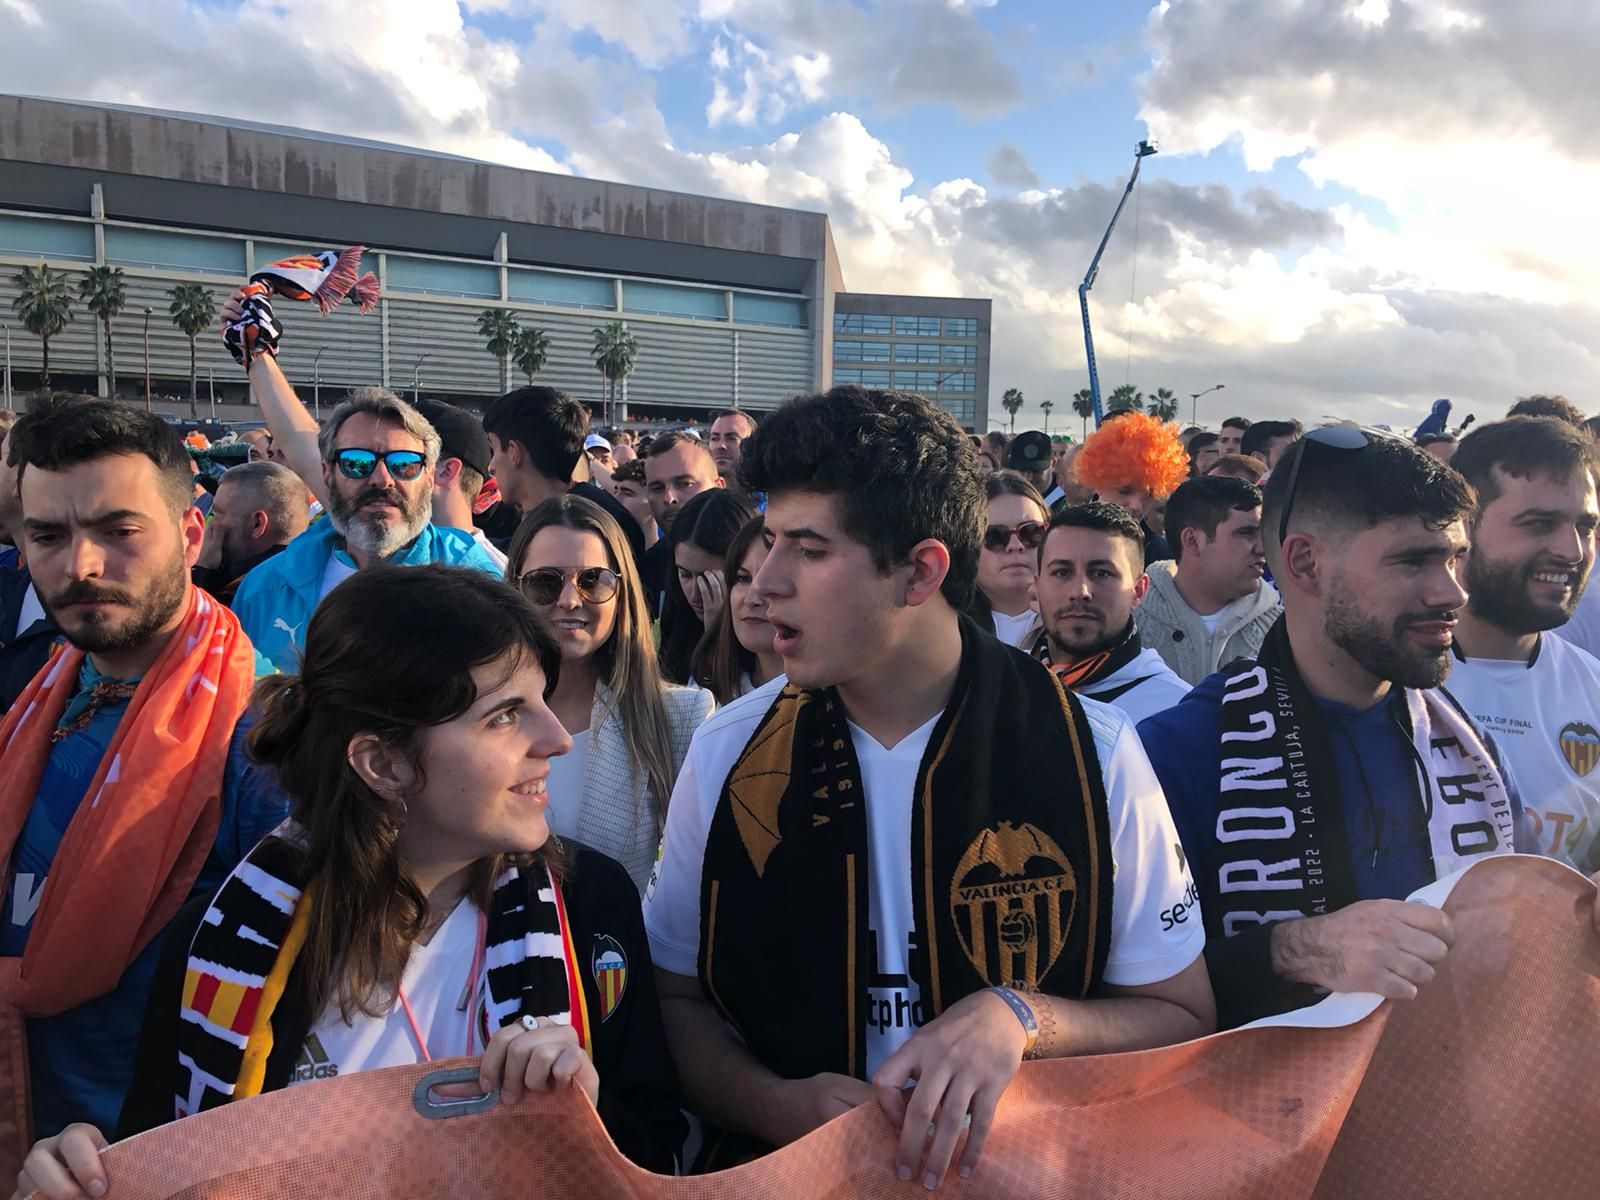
1580 746
610 966
1012 900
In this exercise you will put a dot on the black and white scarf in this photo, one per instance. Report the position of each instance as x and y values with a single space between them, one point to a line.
1282 846
247 944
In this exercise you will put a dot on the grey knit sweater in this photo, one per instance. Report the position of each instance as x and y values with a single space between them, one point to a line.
1170 627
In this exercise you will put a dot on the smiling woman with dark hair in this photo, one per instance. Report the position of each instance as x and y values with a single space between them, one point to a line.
415 906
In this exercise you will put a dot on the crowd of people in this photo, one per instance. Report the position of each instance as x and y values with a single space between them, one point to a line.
834 758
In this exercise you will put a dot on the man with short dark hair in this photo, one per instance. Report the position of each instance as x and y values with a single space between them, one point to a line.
1267 440
837 842
1032 456
1210 604
460 473
1320 785
1232 434
127 789
1091 581
1533 547
677 467
1558 407
628 486
259 508
1203 452
729 431
536 437
378 457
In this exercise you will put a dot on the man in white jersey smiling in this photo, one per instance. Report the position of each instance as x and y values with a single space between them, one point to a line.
921 859
1533 546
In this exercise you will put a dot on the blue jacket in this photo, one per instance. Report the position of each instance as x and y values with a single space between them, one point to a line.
1385 824
275 601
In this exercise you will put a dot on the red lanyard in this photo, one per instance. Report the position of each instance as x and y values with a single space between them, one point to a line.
469 992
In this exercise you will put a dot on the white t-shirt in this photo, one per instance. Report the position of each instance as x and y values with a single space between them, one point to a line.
1213 620
1583 631
1156 930
1544 718
1013 631
489 548
434 980
336 573
565 787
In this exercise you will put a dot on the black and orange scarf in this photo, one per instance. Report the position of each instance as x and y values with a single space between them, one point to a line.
1010 858
1089 671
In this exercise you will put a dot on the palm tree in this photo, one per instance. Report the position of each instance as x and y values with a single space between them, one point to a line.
1045 406
192 310
615 352
498 327
1083 405
1012 403
1164 406
104 293
531 351
44 307
1126 398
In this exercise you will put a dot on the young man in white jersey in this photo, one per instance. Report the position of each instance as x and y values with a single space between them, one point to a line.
1533 545
919 860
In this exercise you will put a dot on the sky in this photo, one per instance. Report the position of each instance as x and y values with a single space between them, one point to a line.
1359 205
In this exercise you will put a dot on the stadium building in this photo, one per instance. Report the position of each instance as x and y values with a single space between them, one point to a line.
731 304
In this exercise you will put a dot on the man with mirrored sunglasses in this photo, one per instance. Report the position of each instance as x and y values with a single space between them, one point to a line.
1318 785
378 459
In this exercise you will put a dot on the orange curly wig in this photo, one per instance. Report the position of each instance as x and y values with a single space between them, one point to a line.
1133 449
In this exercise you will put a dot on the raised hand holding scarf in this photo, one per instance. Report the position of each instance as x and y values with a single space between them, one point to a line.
137 841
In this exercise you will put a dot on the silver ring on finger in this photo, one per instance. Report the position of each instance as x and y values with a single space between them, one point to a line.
530 1023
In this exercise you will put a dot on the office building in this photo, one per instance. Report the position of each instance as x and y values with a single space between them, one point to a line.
930 345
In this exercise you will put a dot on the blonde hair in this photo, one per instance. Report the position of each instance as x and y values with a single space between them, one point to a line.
627 661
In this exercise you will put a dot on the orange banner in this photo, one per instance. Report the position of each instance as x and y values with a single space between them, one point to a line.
1484 1087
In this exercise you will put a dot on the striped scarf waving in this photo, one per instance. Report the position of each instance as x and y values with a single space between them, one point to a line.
247 944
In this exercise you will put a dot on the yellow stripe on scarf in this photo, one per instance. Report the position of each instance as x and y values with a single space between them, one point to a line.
253 1067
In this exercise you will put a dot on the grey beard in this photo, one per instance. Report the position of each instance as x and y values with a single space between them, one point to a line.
378 539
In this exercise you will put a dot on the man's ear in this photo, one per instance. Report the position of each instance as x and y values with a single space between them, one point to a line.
930 563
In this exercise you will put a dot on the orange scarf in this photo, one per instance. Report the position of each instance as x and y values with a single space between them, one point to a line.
136 843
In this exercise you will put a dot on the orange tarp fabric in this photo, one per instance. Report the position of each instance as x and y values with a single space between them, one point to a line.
1485 1086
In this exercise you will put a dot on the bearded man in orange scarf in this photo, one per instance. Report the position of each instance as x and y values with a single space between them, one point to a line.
124 789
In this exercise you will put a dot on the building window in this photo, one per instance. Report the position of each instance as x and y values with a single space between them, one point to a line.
964 411
861 351
919 381
961 381
859 323
180 251
962 327
866 378
916 326
29 237
769 310
916 352
966 356
561 291
668 300
442 278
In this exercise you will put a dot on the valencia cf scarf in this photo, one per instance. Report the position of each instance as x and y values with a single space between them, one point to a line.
1282 850
1010 860
249 940
1090 671
323 278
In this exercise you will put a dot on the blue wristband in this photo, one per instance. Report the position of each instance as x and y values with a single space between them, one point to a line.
1030 1023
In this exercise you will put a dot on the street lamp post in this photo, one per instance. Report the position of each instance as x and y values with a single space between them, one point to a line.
416 377
147 311
1194 397
211 376
316 384
7 328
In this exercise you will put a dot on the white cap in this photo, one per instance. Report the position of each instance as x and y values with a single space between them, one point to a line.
595 442
694 433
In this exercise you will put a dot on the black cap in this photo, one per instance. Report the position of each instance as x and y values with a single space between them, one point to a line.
1029 451
460 432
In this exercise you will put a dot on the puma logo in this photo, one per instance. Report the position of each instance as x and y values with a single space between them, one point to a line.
292 630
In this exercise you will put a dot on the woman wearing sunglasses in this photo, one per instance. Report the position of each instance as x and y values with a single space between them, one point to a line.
630 730
414 907
1009 559
736 655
